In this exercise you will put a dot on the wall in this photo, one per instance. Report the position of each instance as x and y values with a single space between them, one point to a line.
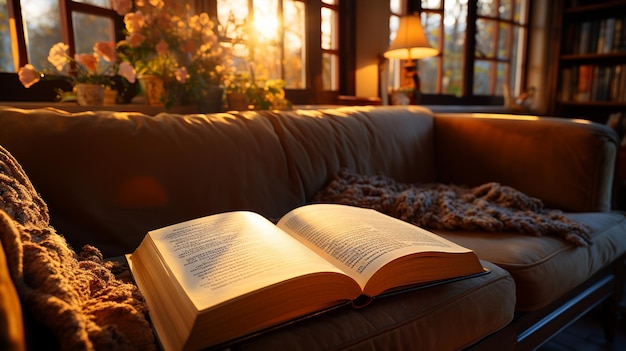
372 26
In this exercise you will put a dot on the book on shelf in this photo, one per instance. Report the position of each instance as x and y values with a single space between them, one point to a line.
593 83
218 278
601 36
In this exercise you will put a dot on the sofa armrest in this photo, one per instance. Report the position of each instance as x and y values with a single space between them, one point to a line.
568 164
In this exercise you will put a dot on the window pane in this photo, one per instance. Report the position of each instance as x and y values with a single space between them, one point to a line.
231 14
101 3
6 54
501 75
431 4
428 67
521 13
43 29
487 8
295 59
505 9
395 6
394 23
329 34
330 71
485 38
504 41
266 54
428 75
100 29
455 24
482 77
517 49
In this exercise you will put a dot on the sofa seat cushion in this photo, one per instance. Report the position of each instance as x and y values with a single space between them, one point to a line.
545 268
449 316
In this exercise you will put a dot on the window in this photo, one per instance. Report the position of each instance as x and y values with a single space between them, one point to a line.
269 37
330 45
39 24
284 40
481 44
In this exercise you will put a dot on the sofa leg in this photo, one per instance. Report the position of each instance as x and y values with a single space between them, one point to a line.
612 304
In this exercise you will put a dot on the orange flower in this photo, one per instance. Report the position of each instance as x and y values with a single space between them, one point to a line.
134 21
135 39
106 50
162 47
89 61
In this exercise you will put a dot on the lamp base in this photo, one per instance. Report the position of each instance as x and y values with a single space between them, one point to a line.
413 74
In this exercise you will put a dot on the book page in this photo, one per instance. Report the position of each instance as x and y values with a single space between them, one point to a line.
220 257
358 240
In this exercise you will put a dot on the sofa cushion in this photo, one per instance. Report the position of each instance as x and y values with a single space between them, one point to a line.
544 268
111 177
450 316
395 141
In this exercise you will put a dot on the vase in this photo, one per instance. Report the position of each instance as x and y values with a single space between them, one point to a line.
89 94
237 101
153 89
210 99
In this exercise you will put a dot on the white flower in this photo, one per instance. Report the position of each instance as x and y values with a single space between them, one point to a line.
58 55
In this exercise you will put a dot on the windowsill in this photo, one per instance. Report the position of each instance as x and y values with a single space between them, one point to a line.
154 110
73 107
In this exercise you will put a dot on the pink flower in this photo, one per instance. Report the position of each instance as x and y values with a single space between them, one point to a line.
188 47
127 71
122 7
135 39
28 75
58 55
181 75
106 50
161 47
89 61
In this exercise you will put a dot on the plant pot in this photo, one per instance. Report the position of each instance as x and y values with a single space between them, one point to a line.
89 94
210 99
153 89
237 101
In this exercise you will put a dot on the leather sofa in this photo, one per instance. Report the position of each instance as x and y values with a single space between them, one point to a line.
109 177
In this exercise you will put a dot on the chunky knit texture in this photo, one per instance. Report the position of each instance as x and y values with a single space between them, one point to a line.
76 296
490 207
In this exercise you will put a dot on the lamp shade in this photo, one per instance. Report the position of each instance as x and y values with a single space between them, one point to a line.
410 42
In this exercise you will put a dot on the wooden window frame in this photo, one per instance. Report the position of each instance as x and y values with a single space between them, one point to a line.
468 97
312 94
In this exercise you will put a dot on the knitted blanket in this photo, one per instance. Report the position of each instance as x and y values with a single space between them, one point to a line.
75 296
491 207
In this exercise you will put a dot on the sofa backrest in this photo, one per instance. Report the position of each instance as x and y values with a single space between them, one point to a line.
394 141
109 177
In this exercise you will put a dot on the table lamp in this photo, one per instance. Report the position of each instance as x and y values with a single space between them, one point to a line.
411 44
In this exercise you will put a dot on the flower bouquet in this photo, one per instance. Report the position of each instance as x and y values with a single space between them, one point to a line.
80 70
164 40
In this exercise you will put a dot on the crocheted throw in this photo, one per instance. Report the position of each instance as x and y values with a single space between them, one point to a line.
491 207
76 296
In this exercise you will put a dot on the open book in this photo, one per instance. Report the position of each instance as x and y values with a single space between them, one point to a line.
216 278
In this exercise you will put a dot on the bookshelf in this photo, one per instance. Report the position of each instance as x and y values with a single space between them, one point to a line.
591 68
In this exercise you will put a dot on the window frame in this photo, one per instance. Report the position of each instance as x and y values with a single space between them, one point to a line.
467 96
312 94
